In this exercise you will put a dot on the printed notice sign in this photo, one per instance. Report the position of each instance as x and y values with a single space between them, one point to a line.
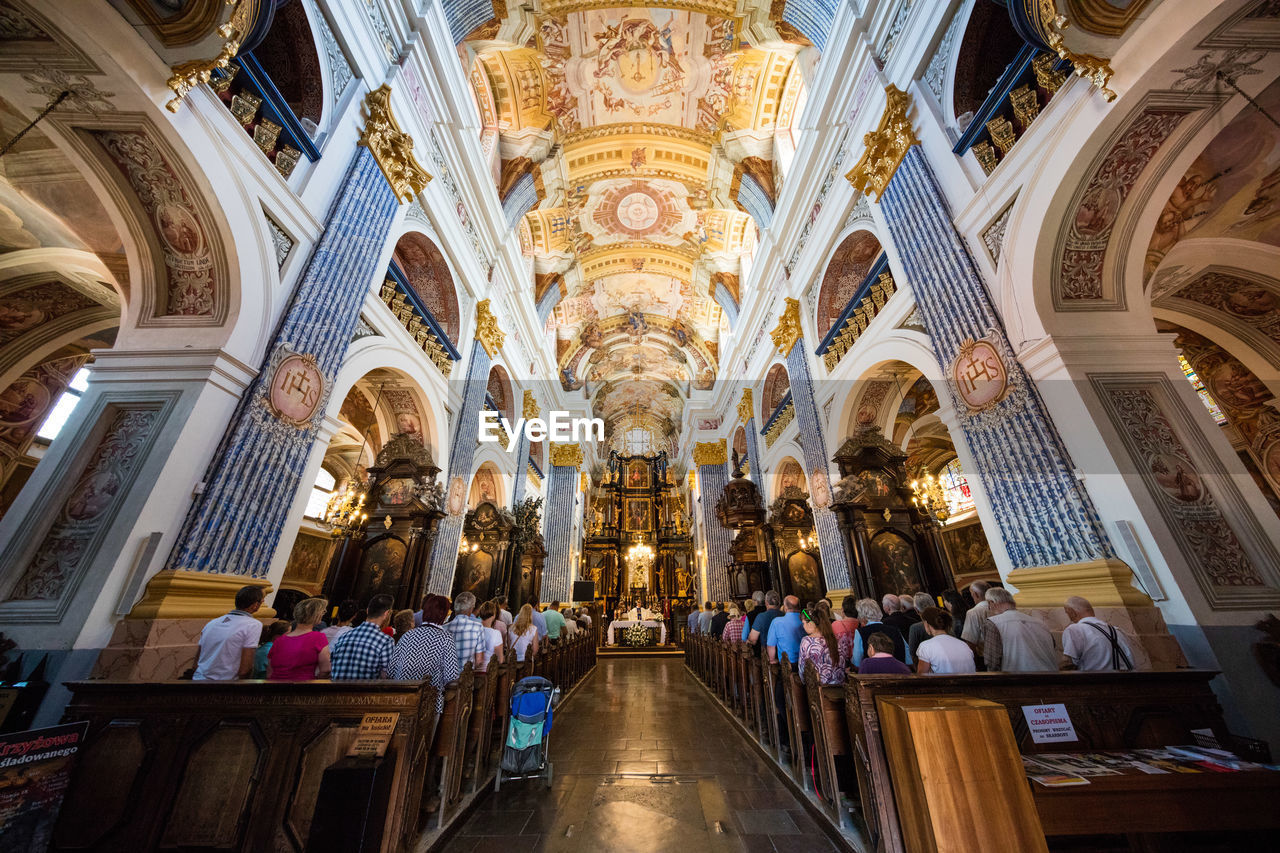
1049 723
374 735
35 770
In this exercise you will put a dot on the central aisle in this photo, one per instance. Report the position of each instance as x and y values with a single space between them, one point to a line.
644 762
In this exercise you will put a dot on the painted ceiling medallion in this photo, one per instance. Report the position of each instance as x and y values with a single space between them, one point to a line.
637 212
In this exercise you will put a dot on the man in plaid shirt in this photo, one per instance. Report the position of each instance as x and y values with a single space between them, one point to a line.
365 651
467 631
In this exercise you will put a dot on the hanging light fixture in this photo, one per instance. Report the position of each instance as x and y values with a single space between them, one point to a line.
345 513
930 498
809 542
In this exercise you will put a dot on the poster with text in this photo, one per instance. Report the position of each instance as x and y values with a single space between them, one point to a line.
35 770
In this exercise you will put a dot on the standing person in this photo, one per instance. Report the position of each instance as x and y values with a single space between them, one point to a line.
760 624
466 631
891 605
705 617
504 615
524 635
364 652
347 611
492 645
908 607
975 621
694 613
719 620
848 621
873 622
917 634
943 652
570 624
272 633
303 653
1015 641
757 607
402 622
554 620
954 603
1092 644
822 649
228 643
785 633
428 653
881 660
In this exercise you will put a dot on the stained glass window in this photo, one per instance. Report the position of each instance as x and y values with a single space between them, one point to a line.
1196 383
955 487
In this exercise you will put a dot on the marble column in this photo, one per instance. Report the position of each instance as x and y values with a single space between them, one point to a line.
235 524
529 412
462 451
789 340
1045 516
557 521
713 475
746 413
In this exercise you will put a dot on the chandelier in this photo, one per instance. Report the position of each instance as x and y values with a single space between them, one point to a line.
930 499
345 513
808 543
466 547
641 552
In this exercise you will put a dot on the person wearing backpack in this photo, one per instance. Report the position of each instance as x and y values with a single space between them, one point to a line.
1092 644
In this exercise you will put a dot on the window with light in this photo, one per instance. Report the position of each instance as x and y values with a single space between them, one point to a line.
321 492
64 406
1198 384
955 487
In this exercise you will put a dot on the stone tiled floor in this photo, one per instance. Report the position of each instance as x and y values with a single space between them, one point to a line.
644 762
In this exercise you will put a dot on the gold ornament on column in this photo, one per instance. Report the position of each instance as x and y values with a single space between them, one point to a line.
488 333
391 147
788 330
887 146
566 455
531 409
693 479
745 407
187 75
1096 69
710 453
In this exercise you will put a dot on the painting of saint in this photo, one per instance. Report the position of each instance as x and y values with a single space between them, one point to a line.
969 550
637 475
803 571
1177 477
380 568
638 515
893 564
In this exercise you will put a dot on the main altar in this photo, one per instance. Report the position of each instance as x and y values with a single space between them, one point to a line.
638 550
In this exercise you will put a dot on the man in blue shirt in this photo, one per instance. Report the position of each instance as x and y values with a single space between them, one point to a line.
539 619
694 613
760 625
704 619
785 632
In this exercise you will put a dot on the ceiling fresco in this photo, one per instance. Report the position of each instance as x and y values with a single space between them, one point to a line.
637 126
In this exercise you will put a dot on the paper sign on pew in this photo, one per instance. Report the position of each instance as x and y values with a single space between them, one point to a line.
374 735
1049 723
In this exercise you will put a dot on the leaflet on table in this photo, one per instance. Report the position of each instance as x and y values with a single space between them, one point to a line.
1042 775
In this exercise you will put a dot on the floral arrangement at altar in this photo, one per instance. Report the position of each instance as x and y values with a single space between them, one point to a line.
636 635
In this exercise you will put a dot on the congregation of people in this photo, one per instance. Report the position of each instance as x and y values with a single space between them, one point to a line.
915 633
350 643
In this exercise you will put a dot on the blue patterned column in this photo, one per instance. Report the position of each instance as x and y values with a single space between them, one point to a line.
747 414
466 437
713 476
1046 517
235 525
789 340
557 521
529 412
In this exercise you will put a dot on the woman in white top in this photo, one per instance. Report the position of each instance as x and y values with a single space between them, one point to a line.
524 634
942 652
491 646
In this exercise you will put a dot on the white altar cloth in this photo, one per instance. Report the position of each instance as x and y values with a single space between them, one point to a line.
623 624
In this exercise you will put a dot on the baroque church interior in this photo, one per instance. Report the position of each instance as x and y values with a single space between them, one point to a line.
862 414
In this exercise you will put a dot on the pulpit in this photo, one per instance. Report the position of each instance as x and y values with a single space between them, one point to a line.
895 547
741 510
391 554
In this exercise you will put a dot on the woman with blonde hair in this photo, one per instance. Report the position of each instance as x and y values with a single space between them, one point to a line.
524 634
303 653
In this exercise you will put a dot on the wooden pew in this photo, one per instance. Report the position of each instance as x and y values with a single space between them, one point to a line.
448 752
230 765
755 686
798 722
773 710
480 729
502 704
831 741
1109 711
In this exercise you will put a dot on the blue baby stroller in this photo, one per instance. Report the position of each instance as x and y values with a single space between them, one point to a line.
524 753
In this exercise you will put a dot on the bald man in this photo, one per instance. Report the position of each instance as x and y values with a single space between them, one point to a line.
785 633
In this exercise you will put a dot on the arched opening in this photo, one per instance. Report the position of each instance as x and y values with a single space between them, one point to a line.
789 479
777 386
846 272
498 393
486 487
990 45
430 283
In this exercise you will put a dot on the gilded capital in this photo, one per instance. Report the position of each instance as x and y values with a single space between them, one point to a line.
391 147
488 333
788 330
1096 69
531 409
583 481
187 75
566 455
745 407
710 453
693 479
887 145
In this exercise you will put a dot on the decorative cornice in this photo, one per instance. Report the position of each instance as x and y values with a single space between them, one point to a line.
1095 69
531 409
566 455
887 145
745 407
488 333
187 75
672 131
788 330
391 147
710 453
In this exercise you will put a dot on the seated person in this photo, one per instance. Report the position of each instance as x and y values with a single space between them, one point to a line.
881 661
942 652
822 649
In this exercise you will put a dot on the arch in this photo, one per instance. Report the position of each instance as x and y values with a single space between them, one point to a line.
288 54
380 357
777 384
849 265
787 473
499 389
987 48
425 268
488 485
870 402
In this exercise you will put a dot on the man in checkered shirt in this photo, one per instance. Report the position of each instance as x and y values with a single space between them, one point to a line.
365 651
467 631
428 652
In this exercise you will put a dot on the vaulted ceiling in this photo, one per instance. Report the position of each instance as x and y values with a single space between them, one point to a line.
634 141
